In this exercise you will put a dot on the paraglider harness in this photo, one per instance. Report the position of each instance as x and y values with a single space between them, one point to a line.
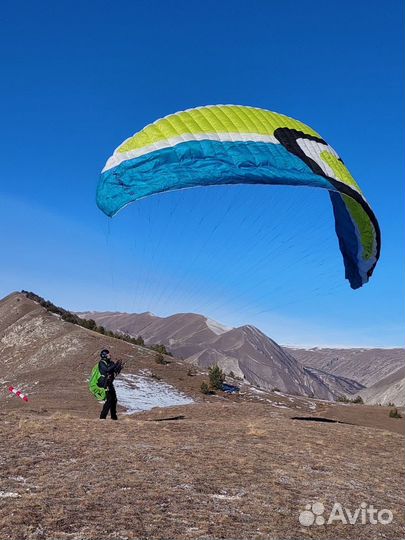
98 383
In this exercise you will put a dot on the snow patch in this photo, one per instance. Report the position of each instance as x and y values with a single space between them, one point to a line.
140 393
8 494
255 390
18 478
223 497
279 406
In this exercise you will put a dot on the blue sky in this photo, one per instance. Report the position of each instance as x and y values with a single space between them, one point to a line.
80 77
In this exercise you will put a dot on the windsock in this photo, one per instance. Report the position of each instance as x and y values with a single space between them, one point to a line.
18 393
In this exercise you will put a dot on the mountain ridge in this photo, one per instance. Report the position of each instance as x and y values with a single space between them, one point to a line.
245 350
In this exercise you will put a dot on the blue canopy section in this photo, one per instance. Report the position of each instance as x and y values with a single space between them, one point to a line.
348 241
202 163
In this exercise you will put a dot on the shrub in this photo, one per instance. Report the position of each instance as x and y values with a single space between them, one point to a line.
205 388
191 372
394 413
91 324
160 348
68 317
217 377
358 400
160 359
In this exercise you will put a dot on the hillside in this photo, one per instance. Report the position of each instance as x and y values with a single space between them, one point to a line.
391 389
367 366
51 359
245 351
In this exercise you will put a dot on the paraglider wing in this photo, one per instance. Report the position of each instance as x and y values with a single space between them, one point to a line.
229 144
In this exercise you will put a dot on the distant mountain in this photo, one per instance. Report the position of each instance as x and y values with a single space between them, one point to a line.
342 385
391 389
181 332
245 350
367 366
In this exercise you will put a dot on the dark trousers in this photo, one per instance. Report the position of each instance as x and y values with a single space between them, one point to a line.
111 404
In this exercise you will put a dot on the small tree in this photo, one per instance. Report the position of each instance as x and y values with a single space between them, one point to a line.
68 317
92 324
192 372
217 377
358 400
205 388
160 359
394 413
159 347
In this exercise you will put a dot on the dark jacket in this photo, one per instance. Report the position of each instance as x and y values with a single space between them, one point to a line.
108 370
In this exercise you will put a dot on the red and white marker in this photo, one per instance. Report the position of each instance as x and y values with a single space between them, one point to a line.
18 393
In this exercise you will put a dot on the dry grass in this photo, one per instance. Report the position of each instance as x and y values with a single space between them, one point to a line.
228 470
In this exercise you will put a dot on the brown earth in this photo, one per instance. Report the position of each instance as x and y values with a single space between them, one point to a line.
227 470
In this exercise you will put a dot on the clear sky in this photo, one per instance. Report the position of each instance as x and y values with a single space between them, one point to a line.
80 77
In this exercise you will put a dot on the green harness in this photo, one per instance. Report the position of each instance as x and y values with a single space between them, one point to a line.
99 393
